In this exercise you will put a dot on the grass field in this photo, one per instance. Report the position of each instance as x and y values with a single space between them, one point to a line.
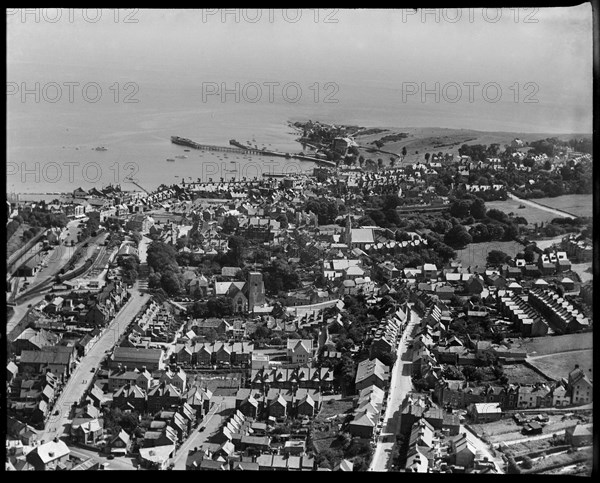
540 346
521 374
578 205
530 213
475 254
583 270
559 365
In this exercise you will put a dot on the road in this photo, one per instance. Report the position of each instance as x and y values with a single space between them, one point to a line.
495 457
556 354
559 213
211 423
82 375
119 463
400 386
528 438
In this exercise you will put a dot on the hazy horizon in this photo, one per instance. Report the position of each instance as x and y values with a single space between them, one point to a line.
365 50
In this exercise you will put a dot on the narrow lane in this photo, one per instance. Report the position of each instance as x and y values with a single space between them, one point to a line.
400 386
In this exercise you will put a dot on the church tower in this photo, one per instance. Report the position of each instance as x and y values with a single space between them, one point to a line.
256 290
348 232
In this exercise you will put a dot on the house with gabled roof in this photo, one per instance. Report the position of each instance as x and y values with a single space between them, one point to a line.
300 351
277 405
580 387
579 435
130 396
371 372
363 424
463 450
120 443
48 456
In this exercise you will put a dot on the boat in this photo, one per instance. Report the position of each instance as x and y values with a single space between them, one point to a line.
100 148
521 206
181 156
170 159
187 150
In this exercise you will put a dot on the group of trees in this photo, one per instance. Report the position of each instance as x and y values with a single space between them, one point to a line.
130 265
164 269
91 226
486 225
213 307
479 152
326 210
280 276
41 216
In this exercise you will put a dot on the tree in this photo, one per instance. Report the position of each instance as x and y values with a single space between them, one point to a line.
283 221
218 307
497 257
161 256
427 155
171 283
527 462
230 224
403 152
457 237
420 385
478 208
460 208
237 246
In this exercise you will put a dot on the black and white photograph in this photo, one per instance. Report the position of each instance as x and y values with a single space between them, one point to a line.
301 239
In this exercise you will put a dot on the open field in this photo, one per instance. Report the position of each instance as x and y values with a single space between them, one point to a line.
334 408
584 270
530 213
559 365
577 205
540 346
436 139
325 433
475 254
521 374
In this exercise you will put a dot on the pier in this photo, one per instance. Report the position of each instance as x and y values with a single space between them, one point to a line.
239 149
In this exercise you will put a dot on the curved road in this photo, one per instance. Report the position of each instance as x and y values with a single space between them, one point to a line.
562 214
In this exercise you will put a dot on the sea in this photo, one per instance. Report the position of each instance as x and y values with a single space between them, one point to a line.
53 134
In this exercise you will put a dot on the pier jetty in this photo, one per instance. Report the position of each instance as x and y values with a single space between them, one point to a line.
239 148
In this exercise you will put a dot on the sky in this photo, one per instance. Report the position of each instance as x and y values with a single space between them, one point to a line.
549 47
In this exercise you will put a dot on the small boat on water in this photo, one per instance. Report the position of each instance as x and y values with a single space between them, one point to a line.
170 159
187 150
181 156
